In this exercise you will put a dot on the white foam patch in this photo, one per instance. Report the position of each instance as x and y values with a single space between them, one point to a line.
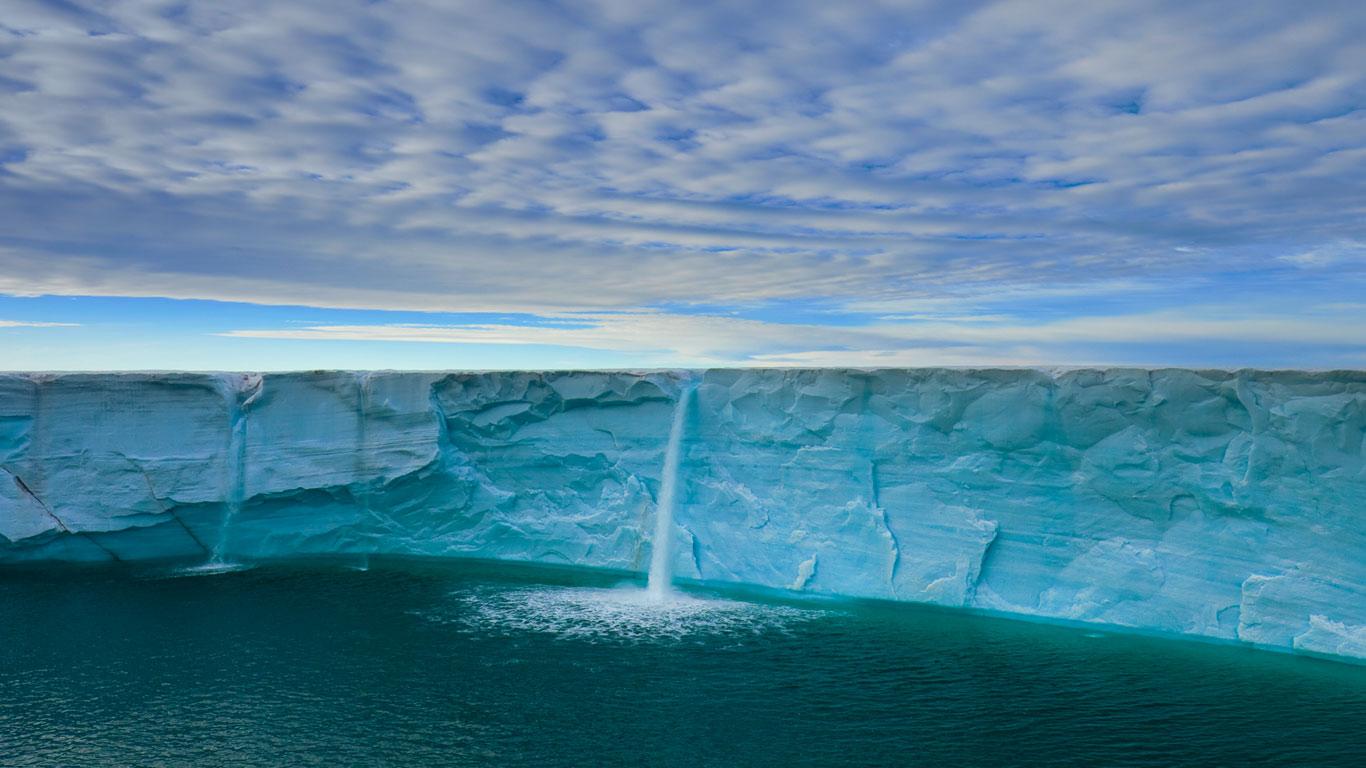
203 569
624 614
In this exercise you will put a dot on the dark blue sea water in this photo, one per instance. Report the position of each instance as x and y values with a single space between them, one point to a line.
420 663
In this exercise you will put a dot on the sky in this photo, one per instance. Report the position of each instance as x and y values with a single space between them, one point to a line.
623 184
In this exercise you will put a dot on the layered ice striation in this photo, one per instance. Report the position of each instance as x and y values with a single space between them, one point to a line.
1221 504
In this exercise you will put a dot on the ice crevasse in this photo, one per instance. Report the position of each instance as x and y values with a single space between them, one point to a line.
1222 504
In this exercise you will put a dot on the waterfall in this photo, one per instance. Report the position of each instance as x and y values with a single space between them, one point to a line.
661 554
240 396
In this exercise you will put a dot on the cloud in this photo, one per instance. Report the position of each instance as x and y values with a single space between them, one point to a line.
722 340
34 324
628 156
1328 255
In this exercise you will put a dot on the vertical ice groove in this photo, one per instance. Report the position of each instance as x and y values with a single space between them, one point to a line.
867 445
362 412
694 550
980 574
893 544
361 471
874 483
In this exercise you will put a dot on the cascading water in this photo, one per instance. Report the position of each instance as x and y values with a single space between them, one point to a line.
240 397
660 582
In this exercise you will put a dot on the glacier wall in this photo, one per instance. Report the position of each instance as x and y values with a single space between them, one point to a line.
1220 504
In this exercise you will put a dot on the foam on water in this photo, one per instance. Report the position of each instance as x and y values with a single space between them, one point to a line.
209 568
623 614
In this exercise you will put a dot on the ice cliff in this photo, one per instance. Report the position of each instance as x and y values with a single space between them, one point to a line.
1221 504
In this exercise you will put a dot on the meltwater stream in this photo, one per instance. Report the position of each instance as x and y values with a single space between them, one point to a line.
240 395
660 585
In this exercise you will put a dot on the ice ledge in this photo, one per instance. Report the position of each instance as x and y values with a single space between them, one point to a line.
1223 504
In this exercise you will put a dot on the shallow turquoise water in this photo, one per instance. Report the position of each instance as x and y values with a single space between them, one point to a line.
421 663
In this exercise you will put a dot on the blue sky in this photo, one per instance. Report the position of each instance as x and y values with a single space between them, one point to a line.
246 185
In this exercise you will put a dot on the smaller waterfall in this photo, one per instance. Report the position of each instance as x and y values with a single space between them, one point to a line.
240 396
661 554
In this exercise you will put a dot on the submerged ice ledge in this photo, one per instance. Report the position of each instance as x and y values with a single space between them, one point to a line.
1220 504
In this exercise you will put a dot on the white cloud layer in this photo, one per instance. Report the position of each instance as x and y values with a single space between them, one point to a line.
34 324
714 340
895 158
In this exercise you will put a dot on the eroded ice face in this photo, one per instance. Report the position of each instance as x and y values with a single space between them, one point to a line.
1210 503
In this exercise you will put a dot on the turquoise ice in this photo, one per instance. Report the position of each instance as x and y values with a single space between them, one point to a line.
1218 504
